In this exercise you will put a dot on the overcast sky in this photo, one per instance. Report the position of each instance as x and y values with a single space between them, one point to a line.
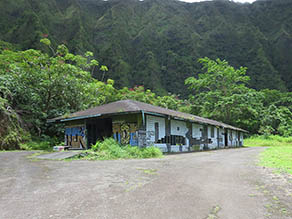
242 1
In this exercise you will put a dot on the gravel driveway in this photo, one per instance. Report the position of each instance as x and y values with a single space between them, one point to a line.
217 184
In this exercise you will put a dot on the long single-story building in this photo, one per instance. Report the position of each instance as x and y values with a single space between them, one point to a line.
140 124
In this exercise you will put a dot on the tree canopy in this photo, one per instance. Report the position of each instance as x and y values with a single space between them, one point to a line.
221 93
37 85
157 43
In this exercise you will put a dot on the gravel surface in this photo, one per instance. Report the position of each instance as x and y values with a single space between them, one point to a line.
207 185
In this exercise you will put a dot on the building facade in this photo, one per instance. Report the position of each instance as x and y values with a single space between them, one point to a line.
143 125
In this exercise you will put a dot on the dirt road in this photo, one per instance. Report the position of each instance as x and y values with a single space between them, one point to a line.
218 184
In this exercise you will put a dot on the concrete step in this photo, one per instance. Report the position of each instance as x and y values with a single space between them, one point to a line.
59 155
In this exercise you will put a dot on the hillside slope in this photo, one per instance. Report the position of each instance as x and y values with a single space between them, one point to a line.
157 42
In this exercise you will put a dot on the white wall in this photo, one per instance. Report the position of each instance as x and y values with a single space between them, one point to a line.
196 130
214 140
232 138
150 127
241 138
179 128
162 147
221 135
197 133
175 124
235 137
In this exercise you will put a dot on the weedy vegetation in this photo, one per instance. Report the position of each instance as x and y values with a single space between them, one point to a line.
278 155
110 149
44 143
268 141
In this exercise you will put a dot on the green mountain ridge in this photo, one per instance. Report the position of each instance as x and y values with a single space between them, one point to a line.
156 43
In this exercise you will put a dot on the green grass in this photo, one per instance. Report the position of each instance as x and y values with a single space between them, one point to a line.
279 153
36 145
148 171
269 141
277 157
109 149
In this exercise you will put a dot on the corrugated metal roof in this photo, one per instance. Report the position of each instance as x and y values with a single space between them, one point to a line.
130 106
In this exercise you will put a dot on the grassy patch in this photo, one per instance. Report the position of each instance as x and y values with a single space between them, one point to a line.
277 157
270 141
214 212
148 171
279 153
109 149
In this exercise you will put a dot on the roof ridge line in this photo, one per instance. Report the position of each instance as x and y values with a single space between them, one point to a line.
134 104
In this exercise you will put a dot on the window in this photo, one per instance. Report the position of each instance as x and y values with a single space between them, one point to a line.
212 132
177 128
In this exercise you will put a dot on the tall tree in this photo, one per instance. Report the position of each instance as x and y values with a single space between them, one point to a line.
221 93
42 86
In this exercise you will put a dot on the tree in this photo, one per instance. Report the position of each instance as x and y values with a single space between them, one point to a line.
221 93
43 86
147 96
277 115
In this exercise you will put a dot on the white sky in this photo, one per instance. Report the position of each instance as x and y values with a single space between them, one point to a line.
242 1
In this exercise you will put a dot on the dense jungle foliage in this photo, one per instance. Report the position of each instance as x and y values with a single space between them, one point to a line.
149 52
36 86
156 43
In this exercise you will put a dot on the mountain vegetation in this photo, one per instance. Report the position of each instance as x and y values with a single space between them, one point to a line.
147 51
156 43
36 86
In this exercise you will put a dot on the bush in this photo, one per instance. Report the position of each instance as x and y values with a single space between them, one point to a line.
40 143
107 144
11 133
134 152
151 152
111 149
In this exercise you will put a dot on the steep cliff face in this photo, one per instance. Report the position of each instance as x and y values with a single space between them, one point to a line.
157 42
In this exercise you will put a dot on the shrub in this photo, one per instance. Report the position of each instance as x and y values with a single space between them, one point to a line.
40 143
134 152
107 144
151 152
10 125
111 149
